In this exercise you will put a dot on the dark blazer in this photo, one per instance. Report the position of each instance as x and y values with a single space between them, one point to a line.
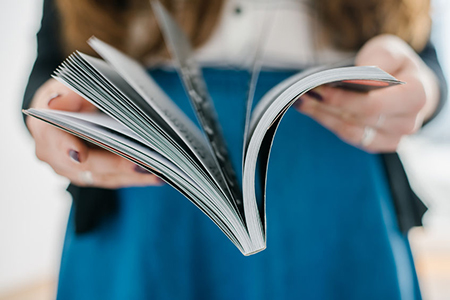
91 205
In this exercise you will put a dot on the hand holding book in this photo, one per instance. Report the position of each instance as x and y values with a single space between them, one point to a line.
391 113
70 156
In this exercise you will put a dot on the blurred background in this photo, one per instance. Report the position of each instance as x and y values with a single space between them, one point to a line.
34 205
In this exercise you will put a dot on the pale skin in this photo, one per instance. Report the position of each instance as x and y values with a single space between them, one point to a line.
345 113
403 108
54 146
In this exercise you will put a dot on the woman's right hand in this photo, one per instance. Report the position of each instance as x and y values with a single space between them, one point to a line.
71 157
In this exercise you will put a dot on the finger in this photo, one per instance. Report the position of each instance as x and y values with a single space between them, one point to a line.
100 178
120 180
391 124
399 124
59 149
114 181
350 133
101 161
106 170
70 101
387 52
53 94
397 100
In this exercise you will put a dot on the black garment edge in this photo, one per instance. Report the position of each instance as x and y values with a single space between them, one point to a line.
91 205
49 52
408 207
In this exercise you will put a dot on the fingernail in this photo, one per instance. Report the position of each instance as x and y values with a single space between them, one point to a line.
315 95
298 102
53 96
141 170
74 155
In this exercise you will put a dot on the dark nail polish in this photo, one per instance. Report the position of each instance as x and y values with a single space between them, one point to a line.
141 170
53 96
74 155
315 95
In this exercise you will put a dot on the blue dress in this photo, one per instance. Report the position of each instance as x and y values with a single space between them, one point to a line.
331 226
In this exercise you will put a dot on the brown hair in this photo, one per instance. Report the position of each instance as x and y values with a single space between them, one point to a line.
346 24
117 21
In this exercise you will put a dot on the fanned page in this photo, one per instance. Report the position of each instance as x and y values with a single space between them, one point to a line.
191 75
268 114
137 77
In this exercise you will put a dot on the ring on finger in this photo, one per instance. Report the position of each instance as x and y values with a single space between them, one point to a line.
368 136
380 120
86 177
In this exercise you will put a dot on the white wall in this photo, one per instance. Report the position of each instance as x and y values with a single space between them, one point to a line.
33 204
427 155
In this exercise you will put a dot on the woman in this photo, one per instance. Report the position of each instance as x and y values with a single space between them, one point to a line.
332 197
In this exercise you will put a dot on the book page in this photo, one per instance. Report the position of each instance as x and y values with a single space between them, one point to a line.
258 58
141 82
164 108
270 115
203 105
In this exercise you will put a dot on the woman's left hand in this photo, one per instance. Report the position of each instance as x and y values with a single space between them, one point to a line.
376 121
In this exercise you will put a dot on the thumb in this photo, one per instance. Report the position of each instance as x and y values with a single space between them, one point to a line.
70 101
387 52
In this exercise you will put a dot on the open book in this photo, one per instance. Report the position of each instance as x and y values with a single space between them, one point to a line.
139 122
